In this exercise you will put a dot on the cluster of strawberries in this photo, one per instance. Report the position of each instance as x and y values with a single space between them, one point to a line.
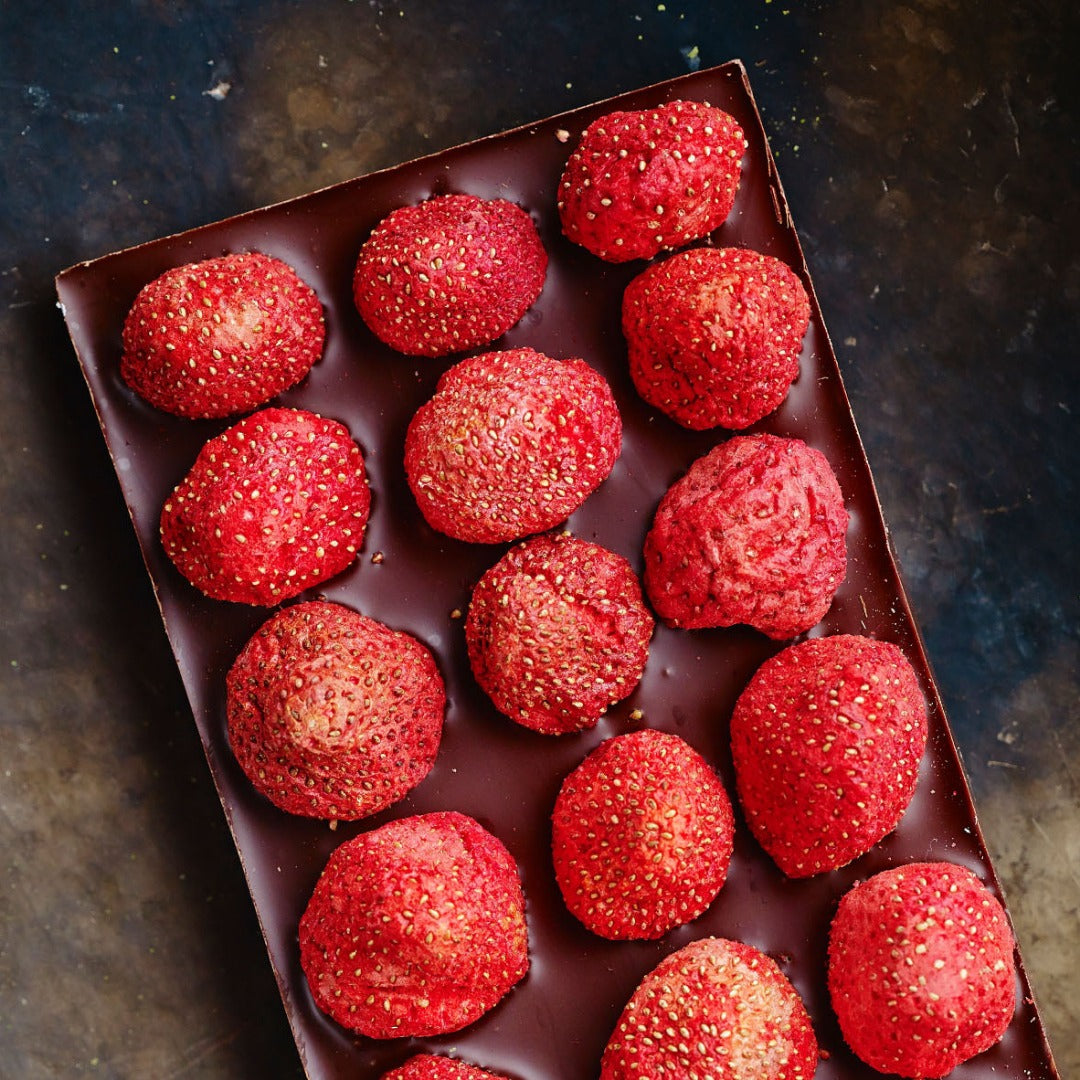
418 927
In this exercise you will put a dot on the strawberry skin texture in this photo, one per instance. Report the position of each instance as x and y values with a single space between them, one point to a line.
449 274
274 505
415 928
642 835
642 182
827 738
331 714
714 335
437 1067
922 970
511 444
557 631
754 533
714 1010
222 336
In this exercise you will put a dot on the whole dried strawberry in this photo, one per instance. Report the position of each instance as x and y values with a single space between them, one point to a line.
716 1008
642 182
827 738
437 1067
753 533
557 631
332 714
642 835
273 505
511 444
714 335
222 336
922 973
449 274
415 928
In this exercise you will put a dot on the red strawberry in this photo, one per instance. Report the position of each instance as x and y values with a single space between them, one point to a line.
272 506
449 274
223 336
922 973
331 714
714 335
433 1067
557 631
415 928
714 1010
643 182
511 444
642 835
753 533
827 738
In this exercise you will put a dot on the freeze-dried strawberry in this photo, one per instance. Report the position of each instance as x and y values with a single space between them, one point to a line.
511 443
557 631
753 533
449 274
642 182
827 738
415 928
922 973
275 504
223 336
714 335
332 714
437 1067
716 1008
642 835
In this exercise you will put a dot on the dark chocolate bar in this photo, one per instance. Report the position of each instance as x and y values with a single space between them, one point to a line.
555 1024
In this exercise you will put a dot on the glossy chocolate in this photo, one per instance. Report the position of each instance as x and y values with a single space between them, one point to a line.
555 1024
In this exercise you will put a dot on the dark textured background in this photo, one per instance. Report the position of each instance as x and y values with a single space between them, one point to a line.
930 155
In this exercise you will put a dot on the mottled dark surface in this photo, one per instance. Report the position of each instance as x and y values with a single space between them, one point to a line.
930 158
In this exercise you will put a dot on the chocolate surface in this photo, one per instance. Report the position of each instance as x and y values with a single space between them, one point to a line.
557 1021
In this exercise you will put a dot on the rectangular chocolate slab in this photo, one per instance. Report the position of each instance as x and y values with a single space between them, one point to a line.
554 1025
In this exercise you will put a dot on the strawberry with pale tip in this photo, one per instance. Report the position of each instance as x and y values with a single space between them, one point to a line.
449 274
272 506
511 444
642 836
415 928
755 533
714 1010
222 336
714 335
557 631
921 970
642 182
331 714
437 1067
827 738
